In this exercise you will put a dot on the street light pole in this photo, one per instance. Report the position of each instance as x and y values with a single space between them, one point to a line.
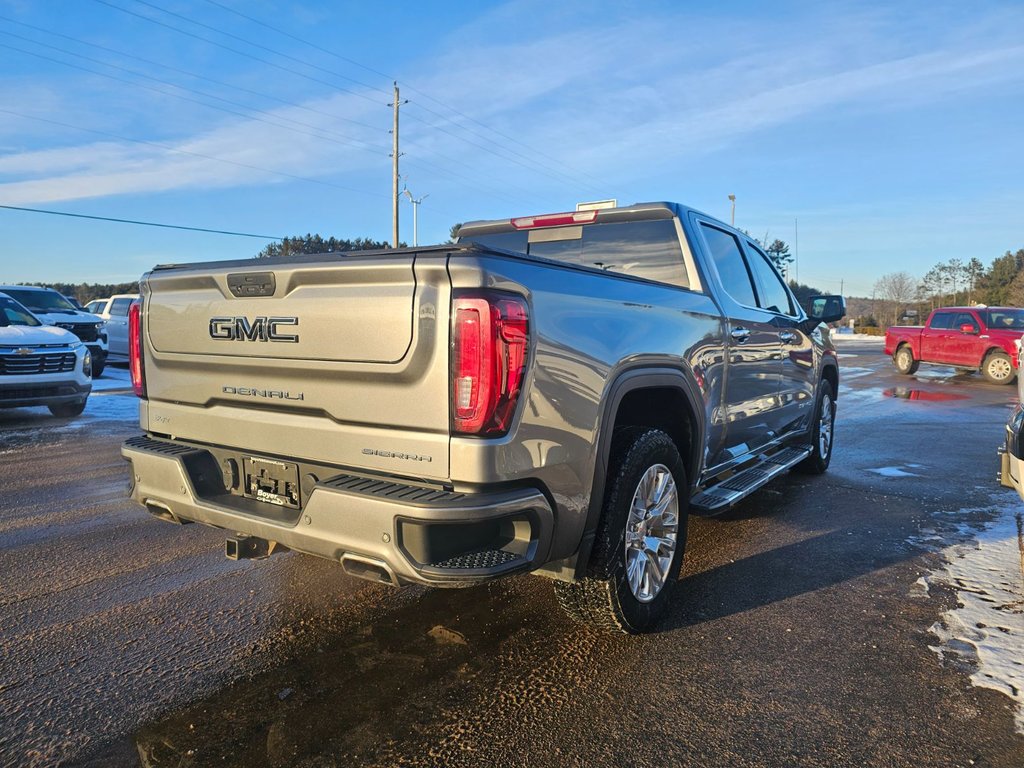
415 210
732 199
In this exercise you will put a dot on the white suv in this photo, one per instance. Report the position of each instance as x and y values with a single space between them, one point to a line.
41 364
114 312
53 309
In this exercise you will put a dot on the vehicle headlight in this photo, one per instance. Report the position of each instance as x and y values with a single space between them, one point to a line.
87 364
101 325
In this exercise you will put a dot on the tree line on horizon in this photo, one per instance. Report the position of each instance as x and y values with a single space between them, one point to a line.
951 283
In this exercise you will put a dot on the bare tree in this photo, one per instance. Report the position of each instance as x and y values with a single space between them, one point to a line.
974 271
956 271
898 289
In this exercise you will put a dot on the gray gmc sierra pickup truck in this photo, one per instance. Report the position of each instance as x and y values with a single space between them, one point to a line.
551 393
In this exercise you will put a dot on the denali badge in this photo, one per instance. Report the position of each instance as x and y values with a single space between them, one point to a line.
269 394
259 329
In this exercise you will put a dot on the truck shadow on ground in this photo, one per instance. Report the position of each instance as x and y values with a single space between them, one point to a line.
759 580
365 694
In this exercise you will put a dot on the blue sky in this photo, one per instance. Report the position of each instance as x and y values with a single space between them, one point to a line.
893 132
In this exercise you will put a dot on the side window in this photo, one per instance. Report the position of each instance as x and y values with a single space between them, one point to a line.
964 318
774 295
119 307
942 321
725 252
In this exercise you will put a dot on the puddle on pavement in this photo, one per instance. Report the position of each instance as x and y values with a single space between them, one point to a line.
353 695
923 395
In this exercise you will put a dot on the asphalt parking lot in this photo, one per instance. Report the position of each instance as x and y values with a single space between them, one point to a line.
831 621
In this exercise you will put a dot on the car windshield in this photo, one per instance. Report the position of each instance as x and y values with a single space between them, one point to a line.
12 313
41 301
1012 319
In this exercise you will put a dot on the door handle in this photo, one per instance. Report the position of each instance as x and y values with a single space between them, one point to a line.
787 337
740 335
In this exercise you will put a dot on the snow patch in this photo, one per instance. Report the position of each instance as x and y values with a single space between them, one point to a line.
986 629
895 471
112 378
840 337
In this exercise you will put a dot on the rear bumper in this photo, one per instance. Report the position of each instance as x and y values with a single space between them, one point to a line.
411 533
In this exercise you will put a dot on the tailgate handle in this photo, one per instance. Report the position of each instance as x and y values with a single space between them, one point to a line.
246 284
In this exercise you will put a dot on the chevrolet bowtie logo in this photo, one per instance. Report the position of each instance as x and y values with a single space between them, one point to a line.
23 351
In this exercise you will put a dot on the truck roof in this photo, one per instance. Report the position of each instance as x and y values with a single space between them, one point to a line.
968 309
635 212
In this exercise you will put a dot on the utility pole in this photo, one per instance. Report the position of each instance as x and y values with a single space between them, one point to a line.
732 199
415 209
394 171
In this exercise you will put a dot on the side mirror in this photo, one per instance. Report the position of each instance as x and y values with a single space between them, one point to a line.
968 328
827 309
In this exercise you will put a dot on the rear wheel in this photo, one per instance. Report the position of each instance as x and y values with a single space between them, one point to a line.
65 410
904 360
638 549
997 368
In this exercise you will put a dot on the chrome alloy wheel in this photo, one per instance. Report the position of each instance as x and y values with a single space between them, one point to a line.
651 530
825 426
999 368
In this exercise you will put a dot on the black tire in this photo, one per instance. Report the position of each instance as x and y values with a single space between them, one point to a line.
604 599
904 360
67 410
997 368
821 454
97 367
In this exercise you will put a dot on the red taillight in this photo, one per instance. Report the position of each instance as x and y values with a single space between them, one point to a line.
135 365
489 340
554 220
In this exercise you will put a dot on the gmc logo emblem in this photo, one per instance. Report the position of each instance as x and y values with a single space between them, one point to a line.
258 329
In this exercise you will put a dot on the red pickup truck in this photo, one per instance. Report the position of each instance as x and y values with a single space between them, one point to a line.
969 338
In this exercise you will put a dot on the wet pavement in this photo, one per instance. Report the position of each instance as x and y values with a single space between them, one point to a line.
797 637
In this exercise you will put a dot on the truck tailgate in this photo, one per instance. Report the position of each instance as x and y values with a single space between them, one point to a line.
342 360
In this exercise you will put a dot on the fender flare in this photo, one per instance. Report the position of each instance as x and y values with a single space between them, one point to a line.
644 376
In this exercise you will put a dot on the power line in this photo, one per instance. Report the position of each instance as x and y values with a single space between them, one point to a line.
337 55
185 72
257 45
191 153
537 168
321 48
236 51
140 223
366 146
297 39
345 140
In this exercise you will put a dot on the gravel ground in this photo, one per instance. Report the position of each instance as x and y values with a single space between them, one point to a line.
801 634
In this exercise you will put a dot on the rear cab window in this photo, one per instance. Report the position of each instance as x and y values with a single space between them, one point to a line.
648 249
941 321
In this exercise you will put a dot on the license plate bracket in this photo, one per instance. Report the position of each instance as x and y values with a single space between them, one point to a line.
271 481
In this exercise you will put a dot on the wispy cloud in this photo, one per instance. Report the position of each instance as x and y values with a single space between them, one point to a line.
607 97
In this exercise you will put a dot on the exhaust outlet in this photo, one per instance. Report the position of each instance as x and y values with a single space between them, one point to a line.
250 548
368 568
